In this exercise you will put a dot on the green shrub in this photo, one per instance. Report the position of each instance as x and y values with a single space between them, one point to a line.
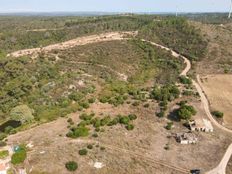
2 143
2 136
165 93
80 131
185 112
95 135
86 117
102 148
136 103
124 120
22 113
76 96
84 105
160 114
90 146
185 80
4 154
19 156
91 100
218 114
169 125
8 129
146 105
97 129
105 120
113 122
188 93
96 122
129 126
132 117
83 152
69 120
71 166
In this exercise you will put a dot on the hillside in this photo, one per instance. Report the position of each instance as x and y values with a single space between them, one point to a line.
110 94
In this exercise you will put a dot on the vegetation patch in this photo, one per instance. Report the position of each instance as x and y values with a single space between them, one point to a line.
4 154
71 166
185 112
90 121
218 114
19 156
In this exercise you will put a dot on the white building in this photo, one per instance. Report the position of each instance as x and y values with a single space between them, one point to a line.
203 125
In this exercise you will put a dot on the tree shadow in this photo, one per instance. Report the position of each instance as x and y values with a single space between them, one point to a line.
11 123
173 116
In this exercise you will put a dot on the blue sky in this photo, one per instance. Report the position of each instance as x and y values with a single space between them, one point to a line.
114 5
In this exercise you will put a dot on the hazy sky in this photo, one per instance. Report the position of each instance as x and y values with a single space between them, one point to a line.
115 5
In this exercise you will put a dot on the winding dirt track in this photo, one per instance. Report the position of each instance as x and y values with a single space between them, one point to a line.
197 84
75 42
221 168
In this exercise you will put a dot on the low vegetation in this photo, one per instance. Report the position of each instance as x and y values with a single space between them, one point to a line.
90 121
83 152
185 80
71 166
19 156
185 112
218 114
4 154
178 34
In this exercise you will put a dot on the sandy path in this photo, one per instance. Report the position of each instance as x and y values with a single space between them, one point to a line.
196 84
205 103
221 168
75 42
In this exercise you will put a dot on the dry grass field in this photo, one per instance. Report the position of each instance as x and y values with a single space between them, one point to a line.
125 151
218 89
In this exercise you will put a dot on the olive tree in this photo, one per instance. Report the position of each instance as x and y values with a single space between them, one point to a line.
22 113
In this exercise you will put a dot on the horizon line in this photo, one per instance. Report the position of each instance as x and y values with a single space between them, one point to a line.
117 12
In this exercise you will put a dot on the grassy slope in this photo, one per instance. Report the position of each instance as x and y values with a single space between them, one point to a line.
219 50
44 84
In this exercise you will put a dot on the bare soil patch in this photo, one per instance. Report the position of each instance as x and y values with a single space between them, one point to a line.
218 89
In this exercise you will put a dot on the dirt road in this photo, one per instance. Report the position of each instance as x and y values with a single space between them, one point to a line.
197 84
205 103
75 42
221 168
175 54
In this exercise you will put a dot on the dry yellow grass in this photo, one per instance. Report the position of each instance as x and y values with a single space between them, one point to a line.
218 89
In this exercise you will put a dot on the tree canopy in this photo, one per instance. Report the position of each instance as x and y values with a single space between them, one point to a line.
22 113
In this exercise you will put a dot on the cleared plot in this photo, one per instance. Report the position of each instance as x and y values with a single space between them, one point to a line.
218 89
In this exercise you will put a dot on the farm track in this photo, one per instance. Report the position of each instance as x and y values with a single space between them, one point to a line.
221 168
197 85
